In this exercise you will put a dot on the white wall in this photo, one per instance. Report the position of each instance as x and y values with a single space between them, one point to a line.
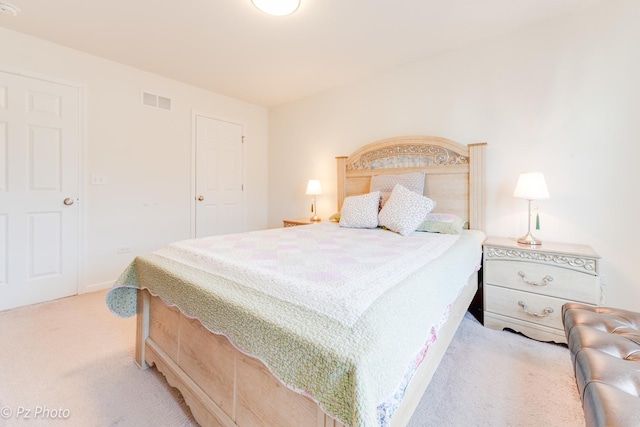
560 97
144 153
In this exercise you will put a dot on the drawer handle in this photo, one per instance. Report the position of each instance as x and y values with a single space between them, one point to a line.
545 280
545 311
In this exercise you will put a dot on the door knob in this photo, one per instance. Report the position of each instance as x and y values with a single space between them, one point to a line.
200 198
68 201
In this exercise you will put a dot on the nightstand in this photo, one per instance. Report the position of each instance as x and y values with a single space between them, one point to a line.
297 221
526 286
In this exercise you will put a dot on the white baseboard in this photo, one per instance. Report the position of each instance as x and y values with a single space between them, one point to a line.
97 286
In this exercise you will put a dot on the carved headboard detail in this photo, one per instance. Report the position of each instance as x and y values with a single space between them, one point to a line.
410 155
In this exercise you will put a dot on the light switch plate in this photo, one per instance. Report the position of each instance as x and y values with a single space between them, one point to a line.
98 179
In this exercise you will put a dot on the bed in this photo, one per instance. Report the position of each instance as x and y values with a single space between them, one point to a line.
253 354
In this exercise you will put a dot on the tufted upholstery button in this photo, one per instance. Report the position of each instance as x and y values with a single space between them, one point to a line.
605 350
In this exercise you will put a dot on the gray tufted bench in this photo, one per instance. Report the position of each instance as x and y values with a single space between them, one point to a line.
605 351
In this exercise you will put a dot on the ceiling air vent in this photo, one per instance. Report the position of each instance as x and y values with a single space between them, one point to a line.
152 100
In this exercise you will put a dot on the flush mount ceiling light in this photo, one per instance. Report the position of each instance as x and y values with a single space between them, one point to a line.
9 9
277 7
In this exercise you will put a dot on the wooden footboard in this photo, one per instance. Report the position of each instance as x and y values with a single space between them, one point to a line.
225 387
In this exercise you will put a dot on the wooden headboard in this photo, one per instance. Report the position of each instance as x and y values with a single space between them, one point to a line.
455 173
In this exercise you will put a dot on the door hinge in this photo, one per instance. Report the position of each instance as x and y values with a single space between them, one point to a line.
242 189
243 139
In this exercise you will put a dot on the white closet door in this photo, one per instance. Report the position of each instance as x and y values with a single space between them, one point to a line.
219 187
39 185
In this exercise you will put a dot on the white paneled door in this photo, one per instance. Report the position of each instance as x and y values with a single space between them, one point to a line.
39 189
218 175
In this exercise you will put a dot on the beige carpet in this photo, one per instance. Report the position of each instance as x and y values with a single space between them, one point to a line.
70 363
496 378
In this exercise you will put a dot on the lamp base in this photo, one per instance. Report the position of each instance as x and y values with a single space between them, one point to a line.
528 239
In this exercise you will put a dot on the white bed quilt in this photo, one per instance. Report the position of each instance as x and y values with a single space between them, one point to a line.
334 271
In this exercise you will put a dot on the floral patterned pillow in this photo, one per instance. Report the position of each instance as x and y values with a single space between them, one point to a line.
360 211
405 210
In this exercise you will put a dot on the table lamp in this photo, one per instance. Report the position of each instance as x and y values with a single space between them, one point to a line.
313 189
531 186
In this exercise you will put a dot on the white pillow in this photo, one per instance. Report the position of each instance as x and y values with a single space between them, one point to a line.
360 211
404 210
413 181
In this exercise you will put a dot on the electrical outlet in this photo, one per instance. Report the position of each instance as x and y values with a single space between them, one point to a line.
124 250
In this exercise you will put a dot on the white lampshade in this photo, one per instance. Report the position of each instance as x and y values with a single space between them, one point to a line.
313 187
531 186
277 7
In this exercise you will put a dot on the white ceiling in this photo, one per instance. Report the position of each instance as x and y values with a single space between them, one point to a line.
229 47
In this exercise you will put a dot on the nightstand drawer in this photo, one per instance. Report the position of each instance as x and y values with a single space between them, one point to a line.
525 287
535 308
545 279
